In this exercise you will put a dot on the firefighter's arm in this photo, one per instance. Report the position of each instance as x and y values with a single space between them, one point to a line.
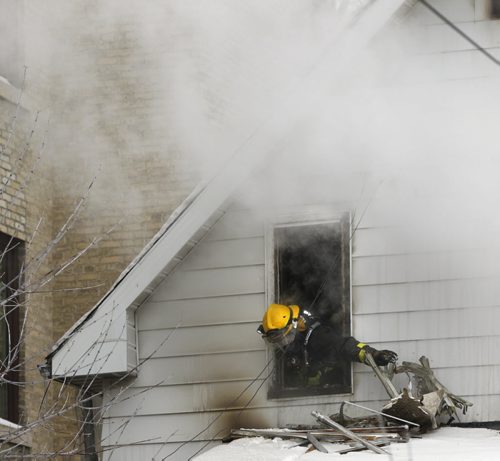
355 351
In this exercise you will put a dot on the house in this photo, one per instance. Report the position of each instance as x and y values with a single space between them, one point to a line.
173 345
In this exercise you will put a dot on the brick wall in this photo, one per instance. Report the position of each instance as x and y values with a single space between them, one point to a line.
108 120
26 204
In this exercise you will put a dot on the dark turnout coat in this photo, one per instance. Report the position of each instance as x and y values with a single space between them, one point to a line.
319 344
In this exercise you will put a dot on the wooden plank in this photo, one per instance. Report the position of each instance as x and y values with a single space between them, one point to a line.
424 267
450 323
225 253
201 368
211 282
435 294
236 225
200 311
326 420
200 340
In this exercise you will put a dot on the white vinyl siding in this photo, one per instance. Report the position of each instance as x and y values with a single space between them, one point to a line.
197 339
197 335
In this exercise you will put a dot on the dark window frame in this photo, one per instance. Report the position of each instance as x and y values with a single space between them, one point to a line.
12 250
494 9
276 389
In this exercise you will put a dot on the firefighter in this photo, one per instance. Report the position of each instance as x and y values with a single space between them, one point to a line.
311 342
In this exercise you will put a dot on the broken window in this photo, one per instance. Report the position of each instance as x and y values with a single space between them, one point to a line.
11 251
312 270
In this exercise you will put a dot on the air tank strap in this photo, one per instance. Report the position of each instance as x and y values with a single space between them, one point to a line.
306 340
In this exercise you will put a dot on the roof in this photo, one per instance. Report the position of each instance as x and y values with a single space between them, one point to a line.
197 214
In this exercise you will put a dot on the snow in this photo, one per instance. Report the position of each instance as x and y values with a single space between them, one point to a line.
444 444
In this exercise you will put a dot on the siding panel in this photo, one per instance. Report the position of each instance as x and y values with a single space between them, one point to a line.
423 267
453 352
236 225
380 241
201 368
201 311
211 282
190 398
200 340
226 253
182 427
414 296
450 323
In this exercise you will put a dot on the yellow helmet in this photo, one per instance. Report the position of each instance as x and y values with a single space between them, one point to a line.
279 325
279 316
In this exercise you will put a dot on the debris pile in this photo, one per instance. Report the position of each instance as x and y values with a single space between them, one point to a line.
434 395
418 411
359 438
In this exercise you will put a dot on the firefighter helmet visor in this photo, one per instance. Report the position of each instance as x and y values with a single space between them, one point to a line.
279 326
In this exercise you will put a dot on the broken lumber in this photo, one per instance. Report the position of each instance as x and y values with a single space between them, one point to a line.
327 421
316 443
360 447
429 383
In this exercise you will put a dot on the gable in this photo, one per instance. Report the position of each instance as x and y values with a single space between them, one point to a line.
103 341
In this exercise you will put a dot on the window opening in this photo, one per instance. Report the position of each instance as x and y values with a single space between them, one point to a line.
495 9
11 252
312 270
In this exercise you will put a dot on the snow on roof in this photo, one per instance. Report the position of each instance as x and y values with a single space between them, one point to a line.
444 444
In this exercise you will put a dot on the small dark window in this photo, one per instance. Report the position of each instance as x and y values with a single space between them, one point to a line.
11 252
495 9
312 270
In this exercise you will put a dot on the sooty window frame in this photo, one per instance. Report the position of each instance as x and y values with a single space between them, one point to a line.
312 216
494 9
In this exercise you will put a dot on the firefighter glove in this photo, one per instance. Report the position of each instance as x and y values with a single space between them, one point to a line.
382 357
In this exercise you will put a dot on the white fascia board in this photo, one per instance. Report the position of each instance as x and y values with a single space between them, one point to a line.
99 347
285 114
15 96
98 359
